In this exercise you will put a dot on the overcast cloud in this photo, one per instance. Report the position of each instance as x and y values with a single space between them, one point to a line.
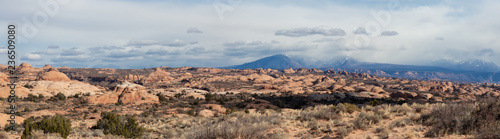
300 32
141 34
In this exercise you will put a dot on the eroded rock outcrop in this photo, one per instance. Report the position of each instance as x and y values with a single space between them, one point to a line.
54 75
125 93
158 75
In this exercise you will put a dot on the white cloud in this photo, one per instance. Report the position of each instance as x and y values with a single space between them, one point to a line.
32 57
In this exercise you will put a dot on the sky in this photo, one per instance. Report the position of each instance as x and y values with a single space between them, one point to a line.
217 33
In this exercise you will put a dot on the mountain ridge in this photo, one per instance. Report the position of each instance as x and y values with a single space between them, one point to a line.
458 71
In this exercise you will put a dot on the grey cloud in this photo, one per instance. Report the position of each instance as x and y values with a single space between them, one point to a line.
78 58
194 30
485 52
300 32
440 38
39 52
125 54
143 43
53 47
232 44
109 47
103 49
360 30
265 48
162 52
196 50
326 40
72 52
107 66
48 52
175 43
157 52
255 43
389 33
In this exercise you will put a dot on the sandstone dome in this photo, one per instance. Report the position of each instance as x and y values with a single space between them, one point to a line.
54 75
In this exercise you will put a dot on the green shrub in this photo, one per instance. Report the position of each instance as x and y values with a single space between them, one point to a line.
366 120
8 127
196 102
343 131
481 119
243 126
119 103
230 110
28 86
57 124
383 132
209 97
162 98
58 96
326 112
191 112
350 108
374 103
449 119
34 98
76 96
401 123
116 125
40 96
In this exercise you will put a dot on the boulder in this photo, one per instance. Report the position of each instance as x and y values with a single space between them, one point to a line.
206 113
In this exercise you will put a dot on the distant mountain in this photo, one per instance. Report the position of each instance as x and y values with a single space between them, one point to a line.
353 64
467 71
279 61
309 62
467 65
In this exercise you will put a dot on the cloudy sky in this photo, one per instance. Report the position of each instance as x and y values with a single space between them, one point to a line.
215 33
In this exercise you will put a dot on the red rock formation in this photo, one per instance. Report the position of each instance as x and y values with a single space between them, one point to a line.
54 75
4 77
158 75
125 93
290 70
46 67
